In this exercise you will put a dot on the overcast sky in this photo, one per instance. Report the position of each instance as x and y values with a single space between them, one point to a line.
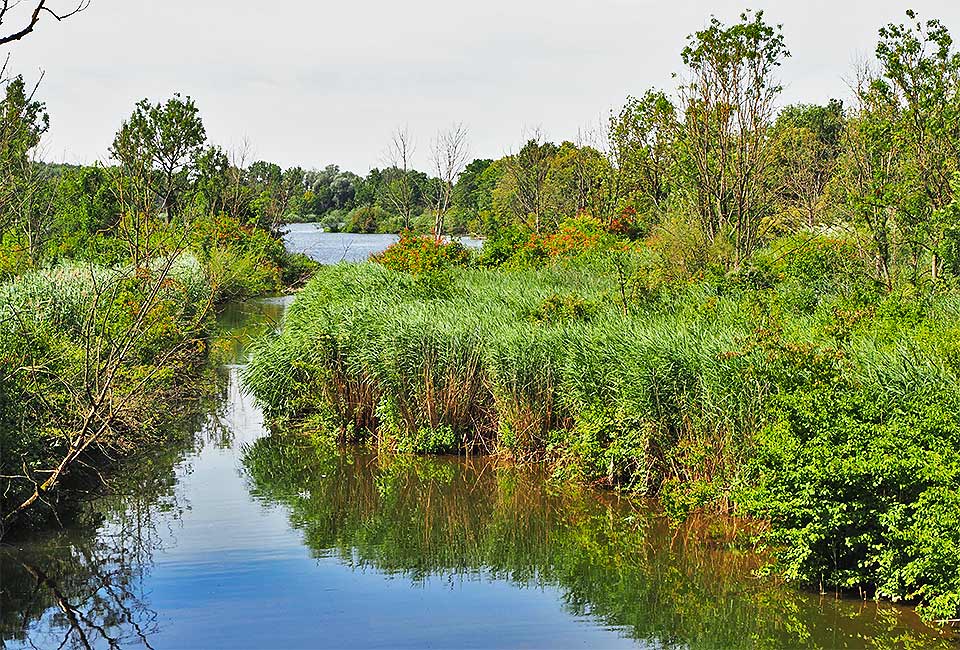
315 82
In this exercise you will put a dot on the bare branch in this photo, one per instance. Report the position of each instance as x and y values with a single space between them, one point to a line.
39 9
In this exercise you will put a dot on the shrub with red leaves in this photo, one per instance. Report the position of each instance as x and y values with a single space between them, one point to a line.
422 253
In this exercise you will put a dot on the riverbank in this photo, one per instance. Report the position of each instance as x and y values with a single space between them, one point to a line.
804 398
97 361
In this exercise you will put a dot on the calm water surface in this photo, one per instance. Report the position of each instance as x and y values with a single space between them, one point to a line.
234 538
330 248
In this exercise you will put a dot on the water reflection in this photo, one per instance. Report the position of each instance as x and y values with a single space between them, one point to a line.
613 560
84 586
235 538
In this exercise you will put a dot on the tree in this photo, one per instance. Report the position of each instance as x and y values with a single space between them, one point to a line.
920 84
25 196
449 156
400 191
526 174
211 183
574 180
727 105
29 16
641 152
157 144
808 139
867 174
278 193
330 189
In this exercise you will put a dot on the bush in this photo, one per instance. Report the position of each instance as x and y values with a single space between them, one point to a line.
575 238
422 254
244 261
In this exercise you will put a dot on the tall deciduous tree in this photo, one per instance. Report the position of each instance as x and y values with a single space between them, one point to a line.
867 174
920 84
808 139
527 172
727 105
158 143
24 194
641 151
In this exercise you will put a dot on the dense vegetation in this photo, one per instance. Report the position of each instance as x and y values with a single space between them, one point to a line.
740 308
109 277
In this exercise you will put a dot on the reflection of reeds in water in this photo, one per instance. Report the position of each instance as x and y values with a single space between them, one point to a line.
612 557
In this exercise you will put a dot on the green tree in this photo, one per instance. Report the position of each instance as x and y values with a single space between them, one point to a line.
471 195
920 84
727 106
867 175
523 190
24 193
158 144
212 175
808 139
640 141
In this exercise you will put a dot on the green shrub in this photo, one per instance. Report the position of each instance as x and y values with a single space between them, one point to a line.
57 330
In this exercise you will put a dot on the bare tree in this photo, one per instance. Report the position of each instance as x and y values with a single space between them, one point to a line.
449 155
400 192
25 21
529 170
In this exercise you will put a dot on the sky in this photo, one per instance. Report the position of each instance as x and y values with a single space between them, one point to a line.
310 83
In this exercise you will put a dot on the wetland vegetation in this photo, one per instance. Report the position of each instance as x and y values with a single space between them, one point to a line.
700 384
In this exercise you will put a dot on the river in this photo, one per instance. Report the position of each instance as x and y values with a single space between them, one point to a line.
235 538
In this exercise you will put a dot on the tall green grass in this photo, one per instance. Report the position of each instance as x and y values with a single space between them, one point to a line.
825 408
75 355
537 363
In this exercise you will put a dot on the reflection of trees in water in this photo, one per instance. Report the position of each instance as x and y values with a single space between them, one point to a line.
85 597
81 587
611 558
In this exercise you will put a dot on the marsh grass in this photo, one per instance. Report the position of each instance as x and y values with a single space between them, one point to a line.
536 363
830 412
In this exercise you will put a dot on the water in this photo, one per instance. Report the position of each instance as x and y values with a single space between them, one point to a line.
235 538
330 248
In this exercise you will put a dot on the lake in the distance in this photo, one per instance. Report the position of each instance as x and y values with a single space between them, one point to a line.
334 247
234 538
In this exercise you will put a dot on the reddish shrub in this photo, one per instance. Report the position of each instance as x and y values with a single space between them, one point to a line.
418 254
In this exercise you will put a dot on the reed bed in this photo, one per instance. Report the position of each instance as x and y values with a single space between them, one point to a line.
832 414
538 364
